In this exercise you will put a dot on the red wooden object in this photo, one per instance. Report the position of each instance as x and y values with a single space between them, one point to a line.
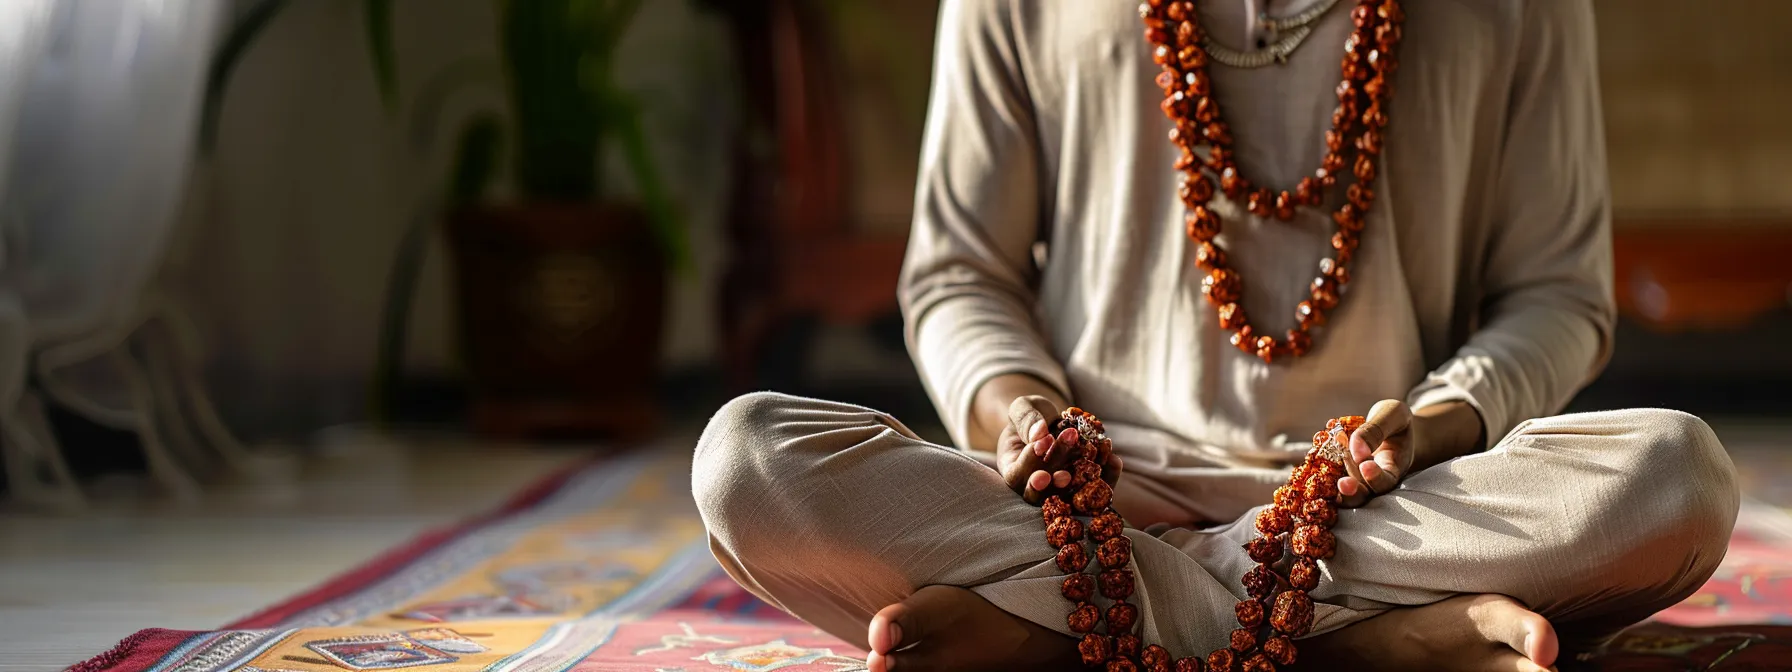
793 251
1674 275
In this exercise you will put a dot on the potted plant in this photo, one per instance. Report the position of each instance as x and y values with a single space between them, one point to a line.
562 291
561 288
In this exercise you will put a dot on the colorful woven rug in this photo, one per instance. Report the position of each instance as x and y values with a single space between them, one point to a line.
607 568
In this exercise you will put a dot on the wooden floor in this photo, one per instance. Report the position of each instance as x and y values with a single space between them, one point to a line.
71 586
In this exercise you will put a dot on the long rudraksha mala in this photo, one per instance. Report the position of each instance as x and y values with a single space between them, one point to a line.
1117 646
1277 609
1357 127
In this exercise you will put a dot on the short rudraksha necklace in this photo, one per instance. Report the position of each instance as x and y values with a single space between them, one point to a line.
1357 126
1276 609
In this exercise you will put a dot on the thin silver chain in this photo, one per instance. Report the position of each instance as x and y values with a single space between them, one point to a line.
1298 27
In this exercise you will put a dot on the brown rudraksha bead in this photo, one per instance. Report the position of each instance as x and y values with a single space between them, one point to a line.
1319 512
1092 497
1243 640
1201 224
1288 498
1260 582
1293 613
1106 525
1114 553
1079 587
1231 316
1208 256
1121 617
1084 618
1279 649
1244 339
1250 613
1085 470
1257 662
1273 521
1116 584
1299 342
1221 660
1095 648
1327 470
1063 531
1054 508
1190 664
1118 664
1072 558
1365 165
1155 658
1126 645
1196 190
1313 541
1264 549
1304 575
1321 485
1221 286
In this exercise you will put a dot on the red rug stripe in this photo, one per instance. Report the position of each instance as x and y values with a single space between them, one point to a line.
380 567
136 652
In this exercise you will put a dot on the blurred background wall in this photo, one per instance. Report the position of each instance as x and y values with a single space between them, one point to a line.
288 230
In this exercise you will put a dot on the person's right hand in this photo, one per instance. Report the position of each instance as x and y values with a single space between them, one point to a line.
1031 460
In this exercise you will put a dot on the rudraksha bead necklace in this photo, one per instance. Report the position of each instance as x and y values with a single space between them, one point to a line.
1357 126
1276 610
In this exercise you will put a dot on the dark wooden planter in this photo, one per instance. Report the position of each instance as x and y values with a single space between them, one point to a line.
560 314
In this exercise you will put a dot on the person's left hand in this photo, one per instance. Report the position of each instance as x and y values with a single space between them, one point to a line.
1380 453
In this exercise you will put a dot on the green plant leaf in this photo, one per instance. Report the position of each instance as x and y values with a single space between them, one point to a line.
380 49
433 95
408 259
545 46
475 160
662 213
230 53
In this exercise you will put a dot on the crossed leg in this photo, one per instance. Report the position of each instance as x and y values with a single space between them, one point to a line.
834 512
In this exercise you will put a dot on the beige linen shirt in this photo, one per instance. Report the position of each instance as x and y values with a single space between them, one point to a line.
1484 273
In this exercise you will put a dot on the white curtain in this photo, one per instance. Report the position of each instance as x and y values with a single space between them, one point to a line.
99 104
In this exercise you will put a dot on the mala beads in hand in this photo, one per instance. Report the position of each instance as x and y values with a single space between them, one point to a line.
1357 128
1115 647
1275 611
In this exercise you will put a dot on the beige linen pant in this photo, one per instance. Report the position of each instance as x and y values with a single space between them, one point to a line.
831 512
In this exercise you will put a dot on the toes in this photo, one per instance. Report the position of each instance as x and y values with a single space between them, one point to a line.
1502 620
917 660
917 633
1511 661
885 633
1542 646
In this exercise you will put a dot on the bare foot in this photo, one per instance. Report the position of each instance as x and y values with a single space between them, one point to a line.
949 628
1472 633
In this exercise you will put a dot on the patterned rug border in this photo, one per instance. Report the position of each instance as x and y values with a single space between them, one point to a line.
146 646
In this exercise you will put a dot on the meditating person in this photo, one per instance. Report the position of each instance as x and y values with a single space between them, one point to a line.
1088 230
